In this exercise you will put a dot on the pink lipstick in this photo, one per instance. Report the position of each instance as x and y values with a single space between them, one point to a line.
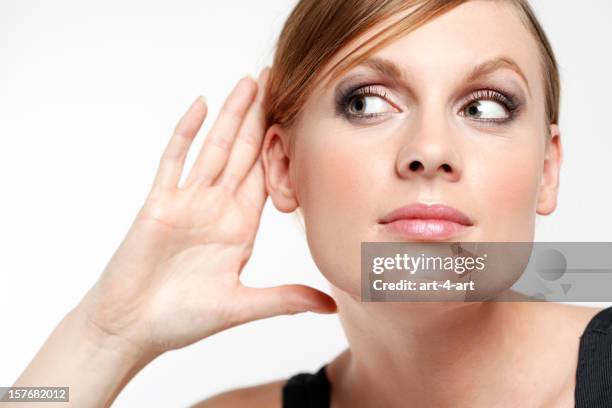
426 222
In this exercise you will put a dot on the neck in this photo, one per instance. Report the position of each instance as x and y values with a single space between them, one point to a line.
435 354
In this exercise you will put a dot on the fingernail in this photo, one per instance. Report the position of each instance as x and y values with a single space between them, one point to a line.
245 82
202 99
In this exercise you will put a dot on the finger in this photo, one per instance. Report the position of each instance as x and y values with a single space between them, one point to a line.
259 303
218 142
252 192
173 158
247 146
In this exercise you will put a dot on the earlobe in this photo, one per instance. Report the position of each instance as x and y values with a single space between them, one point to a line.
549 186
276 162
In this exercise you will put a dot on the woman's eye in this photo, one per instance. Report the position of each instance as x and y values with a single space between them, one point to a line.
486 109
368 105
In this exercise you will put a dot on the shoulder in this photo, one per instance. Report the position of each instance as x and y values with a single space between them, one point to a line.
578 315
565 318
268 395
559 326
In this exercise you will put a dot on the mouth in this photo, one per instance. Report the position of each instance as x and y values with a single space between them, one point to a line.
420 221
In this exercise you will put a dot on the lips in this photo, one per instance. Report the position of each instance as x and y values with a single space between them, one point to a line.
427 212
423 221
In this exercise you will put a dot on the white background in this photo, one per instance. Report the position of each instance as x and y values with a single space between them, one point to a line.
89 94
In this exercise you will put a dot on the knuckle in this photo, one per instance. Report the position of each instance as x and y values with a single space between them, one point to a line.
181 133
250 138
220 142
171 158
234 110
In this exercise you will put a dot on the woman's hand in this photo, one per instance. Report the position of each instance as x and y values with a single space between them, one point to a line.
175 277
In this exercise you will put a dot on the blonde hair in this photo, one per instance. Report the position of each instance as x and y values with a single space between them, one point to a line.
316 30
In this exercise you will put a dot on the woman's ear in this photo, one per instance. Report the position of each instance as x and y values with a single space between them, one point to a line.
276 162
549 187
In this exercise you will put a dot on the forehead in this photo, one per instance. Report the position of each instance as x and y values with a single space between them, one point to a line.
447 47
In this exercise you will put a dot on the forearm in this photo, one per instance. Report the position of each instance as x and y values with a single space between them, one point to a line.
95 365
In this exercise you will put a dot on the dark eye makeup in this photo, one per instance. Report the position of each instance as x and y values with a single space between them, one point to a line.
507 100
350 101
349 97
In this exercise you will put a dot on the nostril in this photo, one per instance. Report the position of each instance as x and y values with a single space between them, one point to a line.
415 165
446 168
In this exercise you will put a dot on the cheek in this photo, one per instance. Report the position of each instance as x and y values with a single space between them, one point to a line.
336 183
336 193
507 182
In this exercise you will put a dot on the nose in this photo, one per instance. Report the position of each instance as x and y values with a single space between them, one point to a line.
430 152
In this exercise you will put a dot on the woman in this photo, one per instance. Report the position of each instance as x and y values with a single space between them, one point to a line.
454 109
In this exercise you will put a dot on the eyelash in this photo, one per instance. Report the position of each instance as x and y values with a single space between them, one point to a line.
347 97
508 101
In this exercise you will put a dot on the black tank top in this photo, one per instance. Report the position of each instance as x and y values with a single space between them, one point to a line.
593 374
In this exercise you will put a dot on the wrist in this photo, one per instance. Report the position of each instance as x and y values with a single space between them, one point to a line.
95 365
106 362
102 342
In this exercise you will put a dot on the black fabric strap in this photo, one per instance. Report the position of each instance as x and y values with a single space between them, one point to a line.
594 372
305 390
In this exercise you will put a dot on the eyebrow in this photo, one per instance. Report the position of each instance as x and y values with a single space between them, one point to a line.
389 69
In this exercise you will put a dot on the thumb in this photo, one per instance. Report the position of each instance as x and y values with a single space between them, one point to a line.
259 303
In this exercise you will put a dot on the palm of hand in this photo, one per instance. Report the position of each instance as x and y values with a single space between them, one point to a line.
175 278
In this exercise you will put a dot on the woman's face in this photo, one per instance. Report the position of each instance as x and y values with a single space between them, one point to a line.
438 132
